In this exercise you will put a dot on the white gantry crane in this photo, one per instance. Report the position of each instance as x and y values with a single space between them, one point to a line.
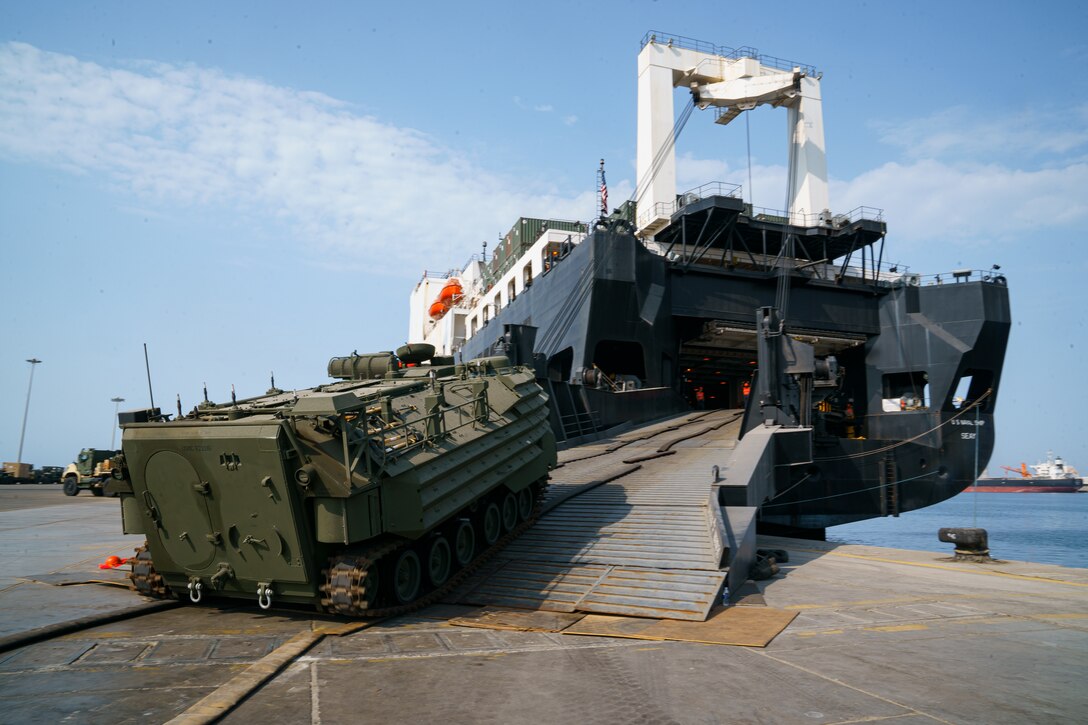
734 81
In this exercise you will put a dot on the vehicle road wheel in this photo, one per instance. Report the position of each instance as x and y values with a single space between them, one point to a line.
439 561
509 512
406 576
492 523
464 543
525 503
71 488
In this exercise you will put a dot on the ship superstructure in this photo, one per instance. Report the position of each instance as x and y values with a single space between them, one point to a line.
879 384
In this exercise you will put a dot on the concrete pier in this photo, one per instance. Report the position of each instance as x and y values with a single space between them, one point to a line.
881 634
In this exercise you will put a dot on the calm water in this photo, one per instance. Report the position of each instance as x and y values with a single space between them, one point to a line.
1048 528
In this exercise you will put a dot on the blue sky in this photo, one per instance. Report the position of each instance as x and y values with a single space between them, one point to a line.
257 187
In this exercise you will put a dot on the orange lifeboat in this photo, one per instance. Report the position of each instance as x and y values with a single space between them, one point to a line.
438 309
450 292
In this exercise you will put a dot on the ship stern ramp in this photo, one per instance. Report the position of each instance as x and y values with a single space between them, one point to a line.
632 525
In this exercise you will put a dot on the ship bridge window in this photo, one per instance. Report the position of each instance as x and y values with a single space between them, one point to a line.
971 386
498 302
511 294
620 358
485 314
905 392
474 326
527 275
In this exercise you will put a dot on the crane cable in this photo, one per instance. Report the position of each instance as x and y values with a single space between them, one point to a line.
659 157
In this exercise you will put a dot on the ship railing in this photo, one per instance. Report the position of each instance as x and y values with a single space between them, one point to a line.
580 423
701 46
431 274
956 276
711 188
818 219
897 275
887 274
665 209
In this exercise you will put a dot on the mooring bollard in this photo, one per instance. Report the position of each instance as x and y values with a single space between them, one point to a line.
971 544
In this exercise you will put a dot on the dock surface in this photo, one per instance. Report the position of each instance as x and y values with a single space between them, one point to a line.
881 634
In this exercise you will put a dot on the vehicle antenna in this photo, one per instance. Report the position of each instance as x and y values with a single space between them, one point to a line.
206 393
233 400
179 405
273 376
147 365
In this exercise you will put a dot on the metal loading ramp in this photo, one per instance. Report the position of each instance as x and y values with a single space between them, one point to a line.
631 526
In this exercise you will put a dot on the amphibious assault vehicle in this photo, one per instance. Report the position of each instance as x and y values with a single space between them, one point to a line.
360 496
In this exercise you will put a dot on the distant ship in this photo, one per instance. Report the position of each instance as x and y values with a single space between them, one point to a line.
1052 476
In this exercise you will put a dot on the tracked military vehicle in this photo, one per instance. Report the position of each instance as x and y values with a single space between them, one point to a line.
360 496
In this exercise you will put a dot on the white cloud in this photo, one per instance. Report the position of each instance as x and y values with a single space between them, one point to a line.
962 133
975 179
196 136
971 204
364 189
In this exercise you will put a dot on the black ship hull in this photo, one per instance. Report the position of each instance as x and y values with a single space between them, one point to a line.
1028 485
621 333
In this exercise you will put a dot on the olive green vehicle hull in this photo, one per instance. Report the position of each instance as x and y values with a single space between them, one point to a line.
256 498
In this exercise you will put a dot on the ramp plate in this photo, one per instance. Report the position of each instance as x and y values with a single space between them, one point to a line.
639 540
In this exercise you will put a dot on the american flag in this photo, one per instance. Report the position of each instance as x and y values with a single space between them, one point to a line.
604 194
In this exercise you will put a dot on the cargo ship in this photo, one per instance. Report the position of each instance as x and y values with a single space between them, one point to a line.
881 382
1050 476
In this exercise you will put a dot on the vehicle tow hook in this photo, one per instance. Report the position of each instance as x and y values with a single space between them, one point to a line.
195 590
264 596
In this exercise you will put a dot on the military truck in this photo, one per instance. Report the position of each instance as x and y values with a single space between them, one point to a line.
90 471
48 474
17 473
26 473
360 496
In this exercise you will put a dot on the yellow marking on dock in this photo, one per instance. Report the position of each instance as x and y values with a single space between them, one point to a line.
822 632
897 628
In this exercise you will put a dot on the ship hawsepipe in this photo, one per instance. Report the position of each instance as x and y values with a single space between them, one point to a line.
899 413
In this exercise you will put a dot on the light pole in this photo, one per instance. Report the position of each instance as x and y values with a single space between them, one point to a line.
116 404
33 361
